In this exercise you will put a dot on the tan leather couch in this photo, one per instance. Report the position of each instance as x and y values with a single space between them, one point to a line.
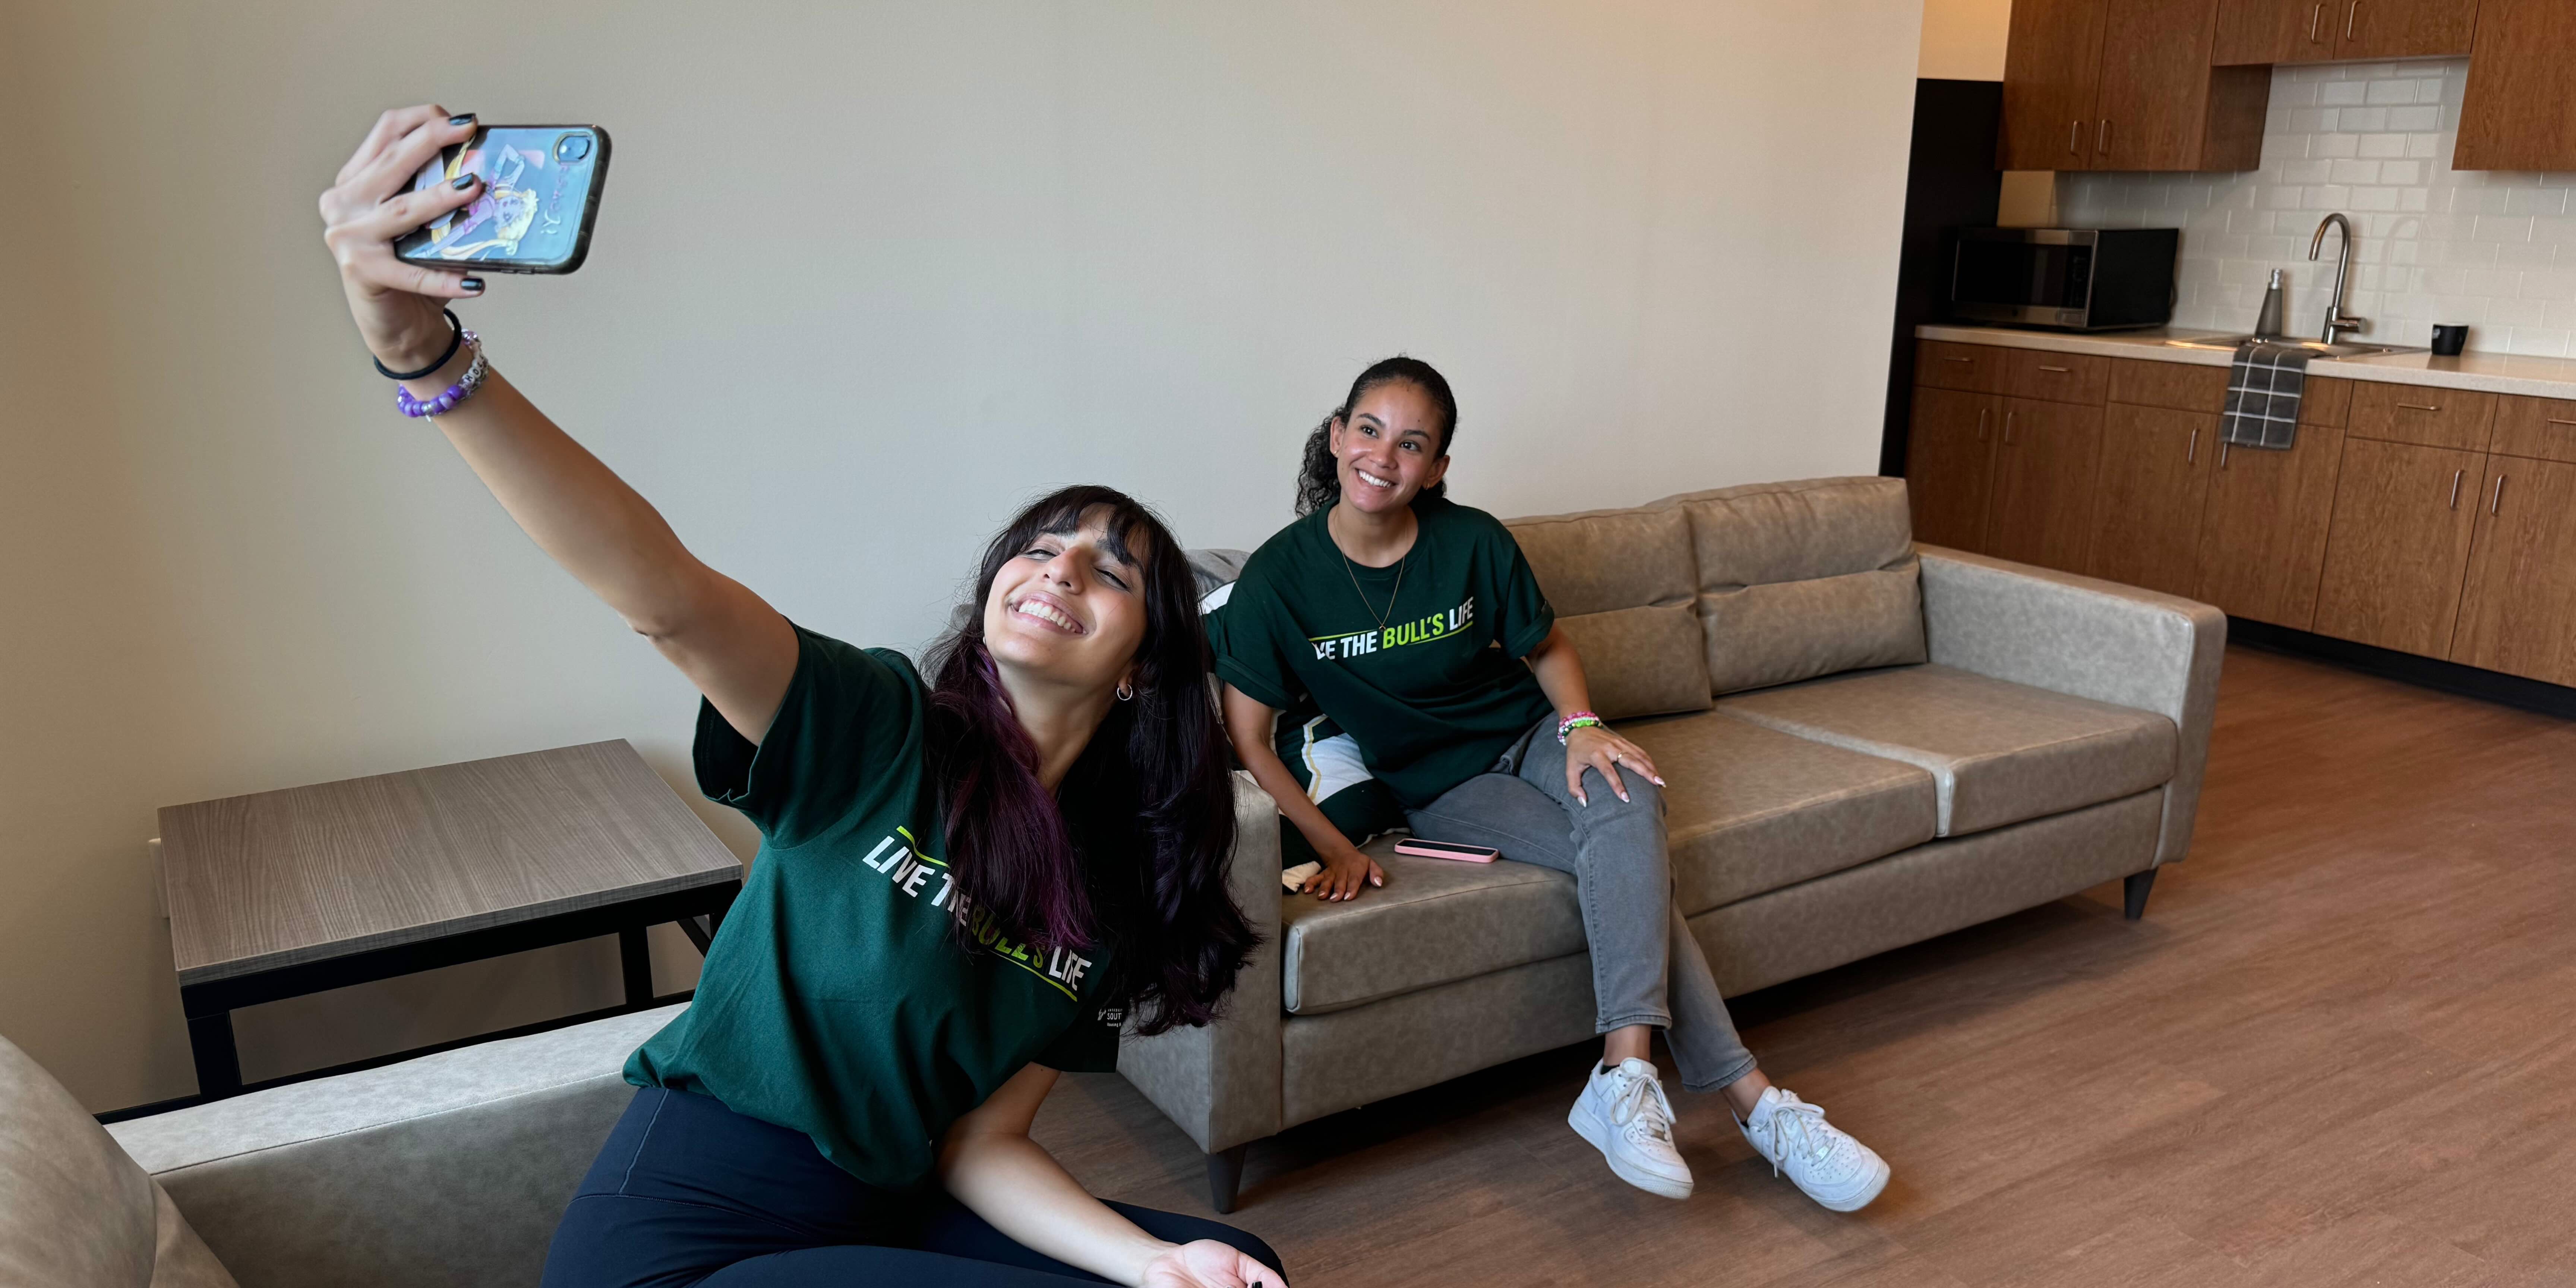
1868 743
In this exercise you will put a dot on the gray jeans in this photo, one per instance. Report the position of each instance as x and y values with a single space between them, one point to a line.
1646 968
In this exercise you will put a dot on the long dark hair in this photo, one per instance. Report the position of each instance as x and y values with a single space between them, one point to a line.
1318 484
1131 852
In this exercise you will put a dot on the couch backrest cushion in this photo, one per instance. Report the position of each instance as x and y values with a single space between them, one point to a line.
1621 583
1805 578
75 1211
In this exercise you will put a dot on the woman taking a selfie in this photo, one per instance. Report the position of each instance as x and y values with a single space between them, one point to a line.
964 882
1414 636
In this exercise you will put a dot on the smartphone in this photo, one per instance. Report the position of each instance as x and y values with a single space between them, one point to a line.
1422 849
540 193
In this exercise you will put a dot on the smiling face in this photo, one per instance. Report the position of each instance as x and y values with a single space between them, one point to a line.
1069 608
1389 447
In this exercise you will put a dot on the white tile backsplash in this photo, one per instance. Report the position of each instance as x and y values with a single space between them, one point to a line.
2494 249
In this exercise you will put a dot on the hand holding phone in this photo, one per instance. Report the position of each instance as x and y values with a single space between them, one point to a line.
538 196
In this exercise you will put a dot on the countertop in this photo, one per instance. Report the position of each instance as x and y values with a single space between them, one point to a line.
2498 373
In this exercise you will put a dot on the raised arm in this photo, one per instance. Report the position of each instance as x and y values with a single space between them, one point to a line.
730 643
1247 725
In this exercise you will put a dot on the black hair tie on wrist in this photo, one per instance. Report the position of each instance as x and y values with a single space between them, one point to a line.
454 339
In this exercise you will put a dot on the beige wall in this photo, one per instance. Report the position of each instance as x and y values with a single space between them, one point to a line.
866 275
1964 39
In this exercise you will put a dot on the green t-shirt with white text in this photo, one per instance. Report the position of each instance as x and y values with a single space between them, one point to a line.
1436 691
837 999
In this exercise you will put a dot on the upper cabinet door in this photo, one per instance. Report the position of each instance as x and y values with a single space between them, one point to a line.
2050 76
2521 107
2406 28
2276 31
2153 104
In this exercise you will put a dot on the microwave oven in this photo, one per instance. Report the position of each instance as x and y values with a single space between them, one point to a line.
2078 279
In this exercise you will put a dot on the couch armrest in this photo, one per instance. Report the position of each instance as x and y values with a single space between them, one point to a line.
1221 1082
2092 639
449 1169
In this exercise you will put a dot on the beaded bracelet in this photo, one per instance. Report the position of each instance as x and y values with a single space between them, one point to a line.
1579 720
456 393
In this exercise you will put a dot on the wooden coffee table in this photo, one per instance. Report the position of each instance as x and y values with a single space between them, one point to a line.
283 893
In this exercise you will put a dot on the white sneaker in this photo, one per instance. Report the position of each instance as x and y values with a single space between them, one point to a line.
1820 1158
1624 1114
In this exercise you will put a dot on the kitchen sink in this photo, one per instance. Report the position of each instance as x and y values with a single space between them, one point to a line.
2340 349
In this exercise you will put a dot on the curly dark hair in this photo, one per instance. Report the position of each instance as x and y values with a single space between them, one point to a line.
1318 484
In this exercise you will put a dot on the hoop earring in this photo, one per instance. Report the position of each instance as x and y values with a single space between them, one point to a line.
1126 691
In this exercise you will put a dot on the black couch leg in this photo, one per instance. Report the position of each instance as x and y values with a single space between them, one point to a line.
1225 1175
2134 892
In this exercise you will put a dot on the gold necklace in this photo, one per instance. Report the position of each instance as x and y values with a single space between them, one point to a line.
1348 563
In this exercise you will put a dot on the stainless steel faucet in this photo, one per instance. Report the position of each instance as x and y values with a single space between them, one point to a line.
2336 318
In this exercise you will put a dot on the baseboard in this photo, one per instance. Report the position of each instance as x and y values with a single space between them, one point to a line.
2426 672
397 1057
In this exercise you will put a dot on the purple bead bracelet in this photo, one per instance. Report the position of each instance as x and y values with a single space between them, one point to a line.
456 393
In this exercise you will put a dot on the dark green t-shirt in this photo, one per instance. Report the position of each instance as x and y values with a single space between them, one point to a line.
837 999
1428 695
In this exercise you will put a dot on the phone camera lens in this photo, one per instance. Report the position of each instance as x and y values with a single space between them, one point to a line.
572 147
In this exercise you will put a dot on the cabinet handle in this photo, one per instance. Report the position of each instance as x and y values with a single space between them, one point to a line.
2102 139
2059 370
2008 420
2074 131
1982 413
2348 16
2192 453
2456 475
2419 407
1958 360
2498 498
2313 16
2223 445
2555 421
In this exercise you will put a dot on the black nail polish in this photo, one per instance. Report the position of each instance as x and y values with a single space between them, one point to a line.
467 119
471 283
462 182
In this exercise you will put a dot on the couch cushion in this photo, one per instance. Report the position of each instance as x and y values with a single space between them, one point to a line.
75 1211
1641 661
1621 584
1434 921
2000 752
1803 578
1750 809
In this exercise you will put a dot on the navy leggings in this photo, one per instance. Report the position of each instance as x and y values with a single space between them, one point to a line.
688 1192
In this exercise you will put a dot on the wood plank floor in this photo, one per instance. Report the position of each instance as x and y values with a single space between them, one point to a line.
2341 1049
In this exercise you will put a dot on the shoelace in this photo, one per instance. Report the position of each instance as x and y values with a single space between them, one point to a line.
1806 1121
1643 1104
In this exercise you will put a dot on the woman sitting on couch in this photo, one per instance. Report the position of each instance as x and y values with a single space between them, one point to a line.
1435 692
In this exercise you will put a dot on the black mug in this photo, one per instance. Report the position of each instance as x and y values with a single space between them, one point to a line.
2449 338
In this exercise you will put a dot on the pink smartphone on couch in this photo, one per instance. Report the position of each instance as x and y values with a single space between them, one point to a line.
1422 849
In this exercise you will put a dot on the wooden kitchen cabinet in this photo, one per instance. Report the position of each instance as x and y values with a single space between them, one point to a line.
2052 67
2424 416
2055 377
2518 607
2544 428
1949 465
2275 31
2405 28
1973 368
2152 484
2398 547
2263 531
2520 113
2126 85
2040 511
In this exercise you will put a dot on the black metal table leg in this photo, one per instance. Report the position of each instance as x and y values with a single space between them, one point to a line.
210 1045
635 959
